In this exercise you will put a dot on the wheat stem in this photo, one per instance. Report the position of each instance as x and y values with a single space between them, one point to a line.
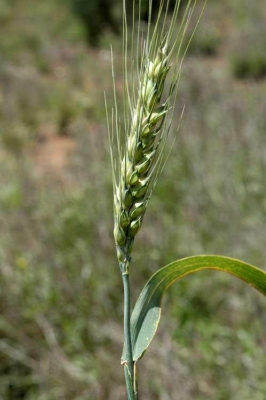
128 363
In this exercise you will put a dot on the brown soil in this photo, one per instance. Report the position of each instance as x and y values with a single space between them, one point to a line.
51 152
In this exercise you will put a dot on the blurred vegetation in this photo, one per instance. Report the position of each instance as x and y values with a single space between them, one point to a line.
248 58
100 15
96 15
60 289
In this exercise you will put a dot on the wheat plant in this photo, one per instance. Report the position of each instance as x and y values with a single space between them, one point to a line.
137 141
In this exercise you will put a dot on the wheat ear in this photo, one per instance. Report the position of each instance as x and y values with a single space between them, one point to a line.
140 158
141 154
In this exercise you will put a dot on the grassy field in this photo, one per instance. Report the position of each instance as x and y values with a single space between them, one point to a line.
60 289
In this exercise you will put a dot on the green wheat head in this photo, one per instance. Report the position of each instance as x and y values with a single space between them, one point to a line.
148 112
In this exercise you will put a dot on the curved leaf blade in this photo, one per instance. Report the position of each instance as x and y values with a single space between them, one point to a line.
147 311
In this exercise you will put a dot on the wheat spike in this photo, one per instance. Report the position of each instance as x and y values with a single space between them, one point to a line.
141 152
140 159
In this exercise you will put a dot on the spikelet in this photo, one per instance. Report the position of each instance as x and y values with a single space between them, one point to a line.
141 152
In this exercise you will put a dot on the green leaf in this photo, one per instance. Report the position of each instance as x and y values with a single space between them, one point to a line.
147 311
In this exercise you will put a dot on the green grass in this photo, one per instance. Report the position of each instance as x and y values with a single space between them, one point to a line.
60 292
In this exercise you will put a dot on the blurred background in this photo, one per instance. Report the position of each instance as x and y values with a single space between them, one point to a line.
60 289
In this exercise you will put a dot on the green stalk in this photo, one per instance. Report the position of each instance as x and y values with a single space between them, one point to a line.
128 364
